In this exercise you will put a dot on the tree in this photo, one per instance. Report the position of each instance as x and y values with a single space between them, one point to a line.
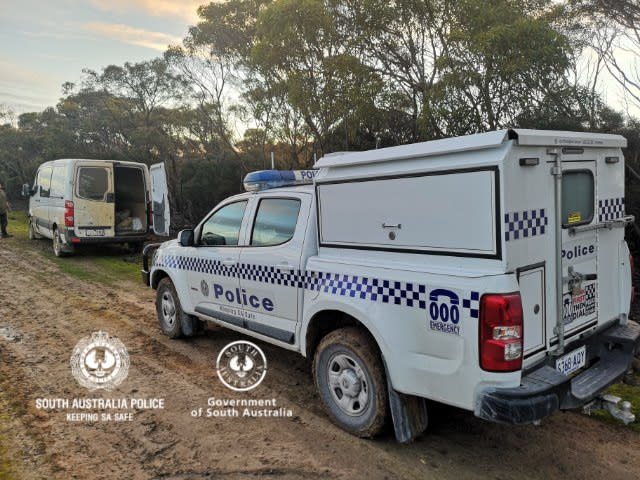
502 58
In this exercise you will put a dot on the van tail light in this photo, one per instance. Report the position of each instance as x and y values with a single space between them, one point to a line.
633 274
69 214
501 332
150 215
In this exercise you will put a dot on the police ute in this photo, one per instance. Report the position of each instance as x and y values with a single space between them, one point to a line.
487 272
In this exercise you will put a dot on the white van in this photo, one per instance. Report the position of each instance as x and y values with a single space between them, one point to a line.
78 202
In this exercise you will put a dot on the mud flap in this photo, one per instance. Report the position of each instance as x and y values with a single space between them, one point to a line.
409 413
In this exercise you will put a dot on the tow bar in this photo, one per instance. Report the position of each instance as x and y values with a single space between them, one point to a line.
614 405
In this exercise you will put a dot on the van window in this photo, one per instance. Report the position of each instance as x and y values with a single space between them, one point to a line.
93 182
44 180
275 221
57 182
223 227
577 197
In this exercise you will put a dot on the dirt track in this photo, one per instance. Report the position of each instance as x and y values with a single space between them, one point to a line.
43 315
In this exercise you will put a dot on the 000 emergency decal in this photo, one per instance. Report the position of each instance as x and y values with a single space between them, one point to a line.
445 310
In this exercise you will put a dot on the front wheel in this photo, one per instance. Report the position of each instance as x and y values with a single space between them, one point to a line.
174 322
33 235
349 375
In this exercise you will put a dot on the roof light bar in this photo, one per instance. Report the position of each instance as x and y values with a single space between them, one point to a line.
266 179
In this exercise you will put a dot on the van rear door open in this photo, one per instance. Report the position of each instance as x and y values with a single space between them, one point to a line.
160 200
94 199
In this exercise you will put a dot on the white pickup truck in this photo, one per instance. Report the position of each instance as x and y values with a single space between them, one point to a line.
488 272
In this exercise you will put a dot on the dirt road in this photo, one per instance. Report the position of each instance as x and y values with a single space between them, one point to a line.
43 314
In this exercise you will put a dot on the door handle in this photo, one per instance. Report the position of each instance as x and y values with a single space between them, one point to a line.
283 266
229 262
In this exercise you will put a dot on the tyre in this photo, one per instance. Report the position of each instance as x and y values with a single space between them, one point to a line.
33 235
135 247
174 323
59 250
349 376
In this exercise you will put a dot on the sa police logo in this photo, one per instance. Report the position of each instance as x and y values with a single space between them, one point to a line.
100 362
444 311
204 288
241 366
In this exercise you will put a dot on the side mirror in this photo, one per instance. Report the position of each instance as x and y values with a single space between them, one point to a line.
26 190
186 238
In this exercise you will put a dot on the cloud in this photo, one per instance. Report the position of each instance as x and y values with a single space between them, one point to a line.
186 9
133 36
25 89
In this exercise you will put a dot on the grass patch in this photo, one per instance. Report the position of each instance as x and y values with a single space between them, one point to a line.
631 393
104 264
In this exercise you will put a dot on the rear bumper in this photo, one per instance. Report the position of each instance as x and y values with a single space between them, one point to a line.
71 238
544 390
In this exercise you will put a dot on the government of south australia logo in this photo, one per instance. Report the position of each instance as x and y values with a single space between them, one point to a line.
100 362
241 366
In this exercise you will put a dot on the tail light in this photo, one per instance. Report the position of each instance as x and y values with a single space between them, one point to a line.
501 332
633 274
69 213
150 215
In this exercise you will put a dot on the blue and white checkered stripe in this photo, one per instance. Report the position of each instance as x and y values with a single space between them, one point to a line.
610 209
472 304
525 224
364 288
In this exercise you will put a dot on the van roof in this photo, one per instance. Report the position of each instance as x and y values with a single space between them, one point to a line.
478 141
68 160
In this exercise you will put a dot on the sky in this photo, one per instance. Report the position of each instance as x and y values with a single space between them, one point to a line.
46 43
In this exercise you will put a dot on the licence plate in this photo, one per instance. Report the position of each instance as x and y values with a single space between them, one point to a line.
94 232
573 361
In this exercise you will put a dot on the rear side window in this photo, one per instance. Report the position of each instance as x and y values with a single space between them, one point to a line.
57 182
275 221
93 182
223 227
44 180
577 197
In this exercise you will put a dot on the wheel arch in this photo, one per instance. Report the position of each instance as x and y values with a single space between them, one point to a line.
325 320
157 276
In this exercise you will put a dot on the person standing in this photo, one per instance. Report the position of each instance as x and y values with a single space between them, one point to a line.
4 212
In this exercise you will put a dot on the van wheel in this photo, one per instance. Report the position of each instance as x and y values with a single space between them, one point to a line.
174 323
135 247
58 248
348 373
33 235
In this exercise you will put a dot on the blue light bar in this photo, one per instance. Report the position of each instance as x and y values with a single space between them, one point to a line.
266 179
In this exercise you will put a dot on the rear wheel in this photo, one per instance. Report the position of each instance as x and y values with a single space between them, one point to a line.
349 376
174 322
135 247
59 250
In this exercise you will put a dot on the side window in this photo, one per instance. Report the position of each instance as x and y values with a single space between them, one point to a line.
577 197
57 182
275 221
93 183
223 227
44 180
